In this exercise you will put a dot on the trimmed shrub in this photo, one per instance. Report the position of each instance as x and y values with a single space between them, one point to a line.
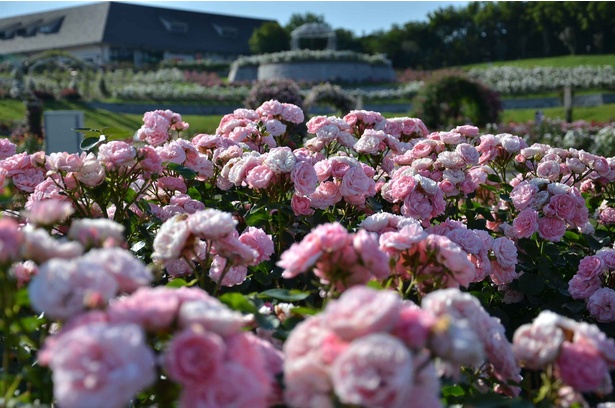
283 90
331 95
455 100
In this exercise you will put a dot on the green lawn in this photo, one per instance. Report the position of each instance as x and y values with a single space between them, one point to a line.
563 61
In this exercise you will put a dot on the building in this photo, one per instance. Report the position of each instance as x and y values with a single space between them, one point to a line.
128 32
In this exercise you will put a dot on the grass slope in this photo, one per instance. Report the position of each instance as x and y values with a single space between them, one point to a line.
563 61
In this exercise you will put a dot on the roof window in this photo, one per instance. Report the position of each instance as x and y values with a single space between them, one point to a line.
52 26
174 26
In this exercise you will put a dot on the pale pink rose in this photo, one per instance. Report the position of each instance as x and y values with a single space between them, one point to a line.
601 305
399 187
129 271
395 241
101 365
551 228
210 314
193 356
562 205
155 129
366 245
292 113
505 252
327 194
500 354
211 224
177 268
374 371
91 173
170 183
28 178
275 127
172 152
316 123
235 251
149 159
581 366
371 142
96 232
172 238
423 148
607 256
526 223
549 169
260 177
11 239
307 384
232 386
7 148
281 160
582 288
607 215
23 272
300 256
522 195
304 178
467 240
361 311
200 164
590 267
64 161
451 160
301 205
323 169
535 346
151 308
64 288
414 326
501 274
116 154
356 183
270 108
340 165
49 212
233 275
39 246
467 130
258 240
417 206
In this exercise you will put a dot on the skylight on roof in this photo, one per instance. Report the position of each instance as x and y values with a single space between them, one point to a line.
226 31
52 26
174 26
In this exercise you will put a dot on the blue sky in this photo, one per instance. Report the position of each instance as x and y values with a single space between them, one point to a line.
362 17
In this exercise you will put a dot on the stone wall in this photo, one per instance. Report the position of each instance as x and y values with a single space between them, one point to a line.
315 71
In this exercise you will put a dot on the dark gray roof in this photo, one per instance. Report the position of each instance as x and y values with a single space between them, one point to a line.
129 25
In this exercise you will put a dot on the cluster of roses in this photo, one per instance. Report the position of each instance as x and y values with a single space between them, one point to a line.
334 351
594 282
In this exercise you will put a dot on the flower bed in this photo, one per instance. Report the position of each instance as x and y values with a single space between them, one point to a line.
377 264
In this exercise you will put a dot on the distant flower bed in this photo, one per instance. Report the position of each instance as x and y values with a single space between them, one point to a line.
517 81
311 55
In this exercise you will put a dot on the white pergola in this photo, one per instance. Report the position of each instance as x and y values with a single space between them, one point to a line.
313 30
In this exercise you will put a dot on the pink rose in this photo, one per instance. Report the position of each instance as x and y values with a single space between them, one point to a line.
414 326
374 371
292 113
601 305
211 315
49 212
11 239
91 173
129 271
526 223
193 356
316 123
327 194
116 154
590 267
581 366
7 148
535 346
101 365
259 177
551 228
582 288
257 239
301 205
361 311
211 224
304 178
151 308
64 288
356 183
522 195
505 252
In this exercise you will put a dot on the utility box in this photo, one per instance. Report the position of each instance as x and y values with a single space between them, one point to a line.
59 133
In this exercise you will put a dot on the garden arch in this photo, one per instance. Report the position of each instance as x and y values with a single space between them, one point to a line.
313 30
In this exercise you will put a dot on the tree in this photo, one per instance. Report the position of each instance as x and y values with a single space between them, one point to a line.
269 37
298 19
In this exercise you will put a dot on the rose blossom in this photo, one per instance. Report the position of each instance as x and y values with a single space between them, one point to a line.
535 346
374 371
96 232
116 153
211 224
361 311
129 272
49 212
259 177
193 356
171 238
601 305
304 178
281 160
11 239
63 288
101 365
301 205
551 228
581 366
526 223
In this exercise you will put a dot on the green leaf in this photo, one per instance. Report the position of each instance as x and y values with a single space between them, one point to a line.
302 311
256 218
571 236
183 171
267 322
177 283
116 134
89 132
194 193
284 295
138 246
574 307
453 391
89 143
237 301
494 177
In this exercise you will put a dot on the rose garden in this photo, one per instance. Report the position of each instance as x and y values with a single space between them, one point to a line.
307 251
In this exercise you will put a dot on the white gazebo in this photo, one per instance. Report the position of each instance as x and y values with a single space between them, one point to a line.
313 30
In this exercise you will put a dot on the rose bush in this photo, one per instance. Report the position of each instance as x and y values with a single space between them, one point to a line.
377 264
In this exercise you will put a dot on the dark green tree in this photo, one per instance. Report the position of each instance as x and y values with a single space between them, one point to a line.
269 37
298 19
